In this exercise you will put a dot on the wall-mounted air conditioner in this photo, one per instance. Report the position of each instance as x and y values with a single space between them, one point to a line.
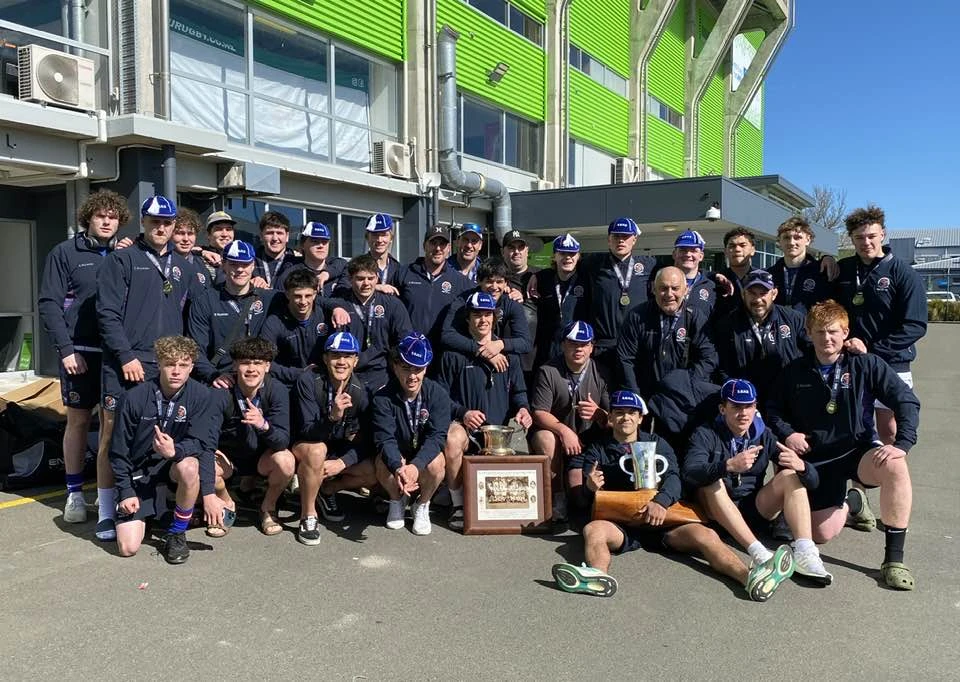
55 77
541 184
391 158
624 169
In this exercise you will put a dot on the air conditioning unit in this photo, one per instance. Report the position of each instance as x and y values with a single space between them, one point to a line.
541 184
391 158
54 77
624 170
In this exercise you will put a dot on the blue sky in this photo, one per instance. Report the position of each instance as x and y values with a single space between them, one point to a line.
869 101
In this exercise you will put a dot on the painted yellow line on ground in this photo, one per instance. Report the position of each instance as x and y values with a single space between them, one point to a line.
42 496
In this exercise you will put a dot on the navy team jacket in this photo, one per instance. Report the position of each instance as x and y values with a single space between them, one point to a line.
800 287
273 399
428 298
509 325
299 342
313 396
474 385
68 294
193 425
607 456
392 432
603 293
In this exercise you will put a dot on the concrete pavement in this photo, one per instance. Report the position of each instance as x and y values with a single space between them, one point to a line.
370 603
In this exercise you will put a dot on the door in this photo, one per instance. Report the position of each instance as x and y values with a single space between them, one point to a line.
18 298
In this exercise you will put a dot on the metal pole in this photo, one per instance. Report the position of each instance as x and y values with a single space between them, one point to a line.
169 171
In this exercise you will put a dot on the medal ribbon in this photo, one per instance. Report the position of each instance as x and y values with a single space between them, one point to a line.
624 281
835 383
414 419
368 324
171 406
163 270
789 279
761 334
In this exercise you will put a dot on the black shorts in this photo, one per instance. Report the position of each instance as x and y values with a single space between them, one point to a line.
748 510
145 486
113 385
82 391
650 539
834 476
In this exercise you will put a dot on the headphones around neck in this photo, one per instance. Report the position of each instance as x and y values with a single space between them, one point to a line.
94 244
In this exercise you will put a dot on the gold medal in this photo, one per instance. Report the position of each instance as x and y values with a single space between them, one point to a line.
167 287
831 407
624 300
858 298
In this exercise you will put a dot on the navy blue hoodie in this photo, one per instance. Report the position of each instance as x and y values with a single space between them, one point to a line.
474 385
273 401
427 298
509 325
313 394
800 287
603 293
552 317
299 342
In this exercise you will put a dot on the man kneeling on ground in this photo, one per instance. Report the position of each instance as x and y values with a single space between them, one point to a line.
599 469
726 464
330 452
163 432
255 436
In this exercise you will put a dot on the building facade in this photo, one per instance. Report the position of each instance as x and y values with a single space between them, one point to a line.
331 111
935 255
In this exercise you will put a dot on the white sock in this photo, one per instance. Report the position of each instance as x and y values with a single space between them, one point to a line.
804 544
758 552
456 497
425 505
107 499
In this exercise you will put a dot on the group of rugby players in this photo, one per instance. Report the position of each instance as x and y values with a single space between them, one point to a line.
226 375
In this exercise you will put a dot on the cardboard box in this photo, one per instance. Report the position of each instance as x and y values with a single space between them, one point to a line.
42 396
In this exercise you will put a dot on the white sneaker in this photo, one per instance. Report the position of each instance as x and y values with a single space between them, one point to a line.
559 507
809 564
75 510
421 519
761 558
395 511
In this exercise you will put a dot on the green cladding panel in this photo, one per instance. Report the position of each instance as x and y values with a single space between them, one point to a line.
666 72
749 149
482 44
602 28
597 115
532 8
710 147
665 150
375 25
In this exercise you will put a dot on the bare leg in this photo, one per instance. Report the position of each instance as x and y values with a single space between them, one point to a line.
104 470
75 439
695 538
896 490
721 509
387 480
130 537
453 451
278 468
826 524
310 458
886 425
431 477
600 538
786 493
363 474
186 474
544 442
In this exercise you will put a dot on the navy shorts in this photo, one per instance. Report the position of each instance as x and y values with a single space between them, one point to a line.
834 476
748 510
650 539
82 391
243 459
113 385
145 486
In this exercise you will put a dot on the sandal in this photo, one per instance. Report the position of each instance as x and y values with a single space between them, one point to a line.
268 524
219 530
897 576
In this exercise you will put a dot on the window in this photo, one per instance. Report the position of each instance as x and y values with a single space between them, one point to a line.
494 135
597 70
588 165
767 253
513 18
43 15
264 82
664 112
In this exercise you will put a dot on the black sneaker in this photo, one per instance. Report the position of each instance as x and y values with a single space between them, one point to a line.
329 508
309 532
175 549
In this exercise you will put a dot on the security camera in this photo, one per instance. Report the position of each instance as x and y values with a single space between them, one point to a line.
713 213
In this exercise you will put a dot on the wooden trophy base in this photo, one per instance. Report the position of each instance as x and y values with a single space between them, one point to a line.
624 507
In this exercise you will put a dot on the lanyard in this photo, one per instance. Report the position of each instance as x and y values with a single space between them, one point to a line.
761 334
692 285
789 279
413 419
369 321
163 270
736 445
573 381
242 402
239 311
269 274
383 275
624 281
171 407
834 385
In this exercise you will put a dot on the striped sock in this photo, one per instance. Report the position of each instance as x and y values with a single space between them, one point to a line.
181 519
74 483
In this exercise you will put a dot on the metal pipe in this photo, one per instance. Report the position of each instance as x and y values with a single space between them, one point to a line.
451 175
164 34
65 20
76 20
565 65
169 166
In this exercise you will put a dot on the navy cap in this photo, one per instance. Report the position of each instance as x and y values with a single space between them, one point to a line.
690 239
739 391
580 332
471 227
239 252
342 342
627 400
379 222
566 244
623 226
315 230
414 349
159 207
760 278
481 301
